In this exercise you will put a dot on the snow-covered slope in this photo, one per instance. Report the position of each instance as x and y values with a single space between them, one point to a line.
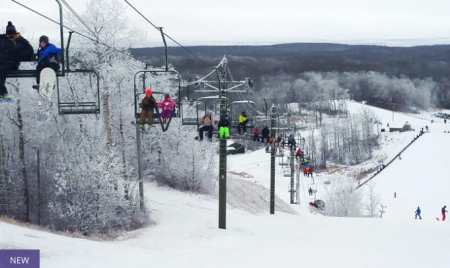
185 231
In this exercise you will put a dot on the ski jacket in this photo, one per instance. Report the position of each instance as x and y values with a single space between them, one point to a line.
256 132
299 152
305 170
223 123
15 50
418 211
48 54
148 103
310 170
291 140
265 131
243 119
443 209
207 120
271 139
167 104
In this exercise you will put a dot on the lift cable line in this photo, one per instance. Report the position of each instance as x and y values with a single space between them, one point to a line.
159 29
87 37
80 19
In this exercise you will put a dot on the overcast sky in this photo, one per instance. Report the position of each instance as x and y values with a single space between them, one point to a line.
213 22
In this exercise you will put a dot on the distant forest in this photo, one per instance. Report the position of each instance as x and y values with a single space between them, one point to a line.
290 61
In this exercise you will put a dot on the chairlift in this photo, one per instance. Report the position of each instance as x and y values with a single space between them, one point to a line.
138 93
65 107
186 117
235 113
313 188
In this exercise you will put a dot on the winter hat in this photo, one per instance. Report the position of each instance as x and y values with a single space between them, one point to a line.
10 29
43 39
148 92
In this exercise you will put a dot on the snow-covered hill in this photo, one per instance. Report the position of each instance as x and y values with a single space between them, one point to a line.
185 231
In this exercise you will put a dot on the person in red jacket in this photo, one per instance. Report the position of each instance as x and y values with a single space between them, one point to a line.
305 172
298 155
310 171
256 135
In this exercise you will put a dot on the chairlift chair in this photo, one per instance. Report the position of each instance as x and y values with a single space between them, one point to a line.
138 93
64 107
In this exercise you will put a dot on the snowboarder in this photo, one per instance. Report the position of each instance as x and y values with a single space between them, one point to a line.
147 105
167 106
418 211
48 57
243 119
256 135
207 122
265 134
443 213
224 125
13 49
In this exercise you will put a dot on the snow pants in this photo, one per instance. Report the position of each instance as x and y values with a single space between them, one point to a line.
5 68
443 216
224 132
205 128
243 126
146 114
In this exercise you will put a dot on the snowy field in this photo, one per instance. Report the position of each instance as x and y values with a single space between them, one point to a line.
185 231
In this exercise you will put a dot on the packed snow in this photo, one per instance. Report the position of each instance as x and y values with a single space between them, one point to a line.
185 229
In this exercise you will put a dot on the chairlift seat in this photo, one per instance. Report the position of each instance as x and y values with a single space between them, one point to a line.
28 73
78 108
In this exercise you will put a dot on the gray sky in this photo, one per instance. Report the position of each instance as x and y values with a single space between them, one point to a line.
214 22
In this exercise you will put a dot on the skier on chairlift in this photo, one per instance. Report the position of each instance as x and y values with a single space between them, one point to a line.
223 126
48 57
243 119
167 106
147 105
13 49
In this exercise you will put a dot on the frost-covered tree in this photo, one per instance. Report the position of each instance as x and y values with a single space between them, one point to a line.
372 199
342 200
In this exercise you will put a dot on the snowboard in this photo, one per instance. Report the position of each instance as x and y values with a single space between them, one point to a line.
7 100
437 219
47 84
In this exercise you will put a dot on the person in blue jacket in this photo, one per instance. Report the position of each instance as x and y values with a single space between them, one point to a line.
418 211
48 56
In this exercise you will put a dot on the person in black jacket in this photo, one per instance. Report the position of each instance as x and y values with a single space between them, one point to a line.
291 142
223 126
13 49
265 134
443 213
